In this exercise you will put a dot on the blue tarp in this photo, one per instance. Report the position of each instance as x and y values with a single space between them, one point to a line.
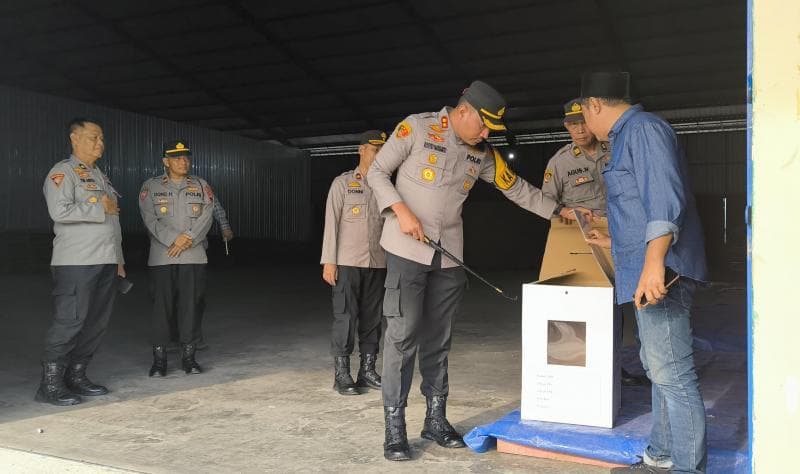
724 387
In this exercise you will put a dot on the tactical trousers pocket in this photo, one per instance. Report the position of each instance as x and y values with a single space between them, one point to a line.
391 299
66 302
339 301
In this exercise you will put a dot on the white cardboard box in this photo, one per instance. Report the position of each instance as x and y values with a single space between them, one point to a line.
570 367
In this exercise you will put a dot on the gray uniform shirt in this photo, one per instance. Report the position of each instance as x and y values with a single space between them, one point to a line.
85 234
575 178
435 173
353 224
169 209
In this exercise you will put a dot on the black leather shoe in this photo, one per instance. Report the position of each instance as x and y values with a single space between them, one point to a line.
630 380
437 428
641 468
342 380
368 377
159 366
395 445
190 366
52 389
77 381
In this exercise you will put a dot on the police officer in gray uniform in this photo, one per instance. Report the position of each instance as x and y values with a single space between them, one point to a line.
354 264
438 157
574 175
87 257
177 209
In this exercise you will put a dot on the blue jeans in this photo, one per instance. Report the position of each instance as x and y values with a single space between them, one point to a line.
679 419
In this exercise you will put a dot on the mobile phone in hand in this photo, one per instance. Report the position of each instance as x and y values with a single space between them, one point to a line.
670 277
124 285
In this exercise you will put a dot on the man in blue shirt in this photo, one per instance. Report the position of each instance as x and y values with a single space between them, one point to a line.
654 226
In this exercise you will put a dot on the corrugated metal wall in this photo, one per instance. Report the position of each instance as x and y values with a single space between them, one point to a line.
264 187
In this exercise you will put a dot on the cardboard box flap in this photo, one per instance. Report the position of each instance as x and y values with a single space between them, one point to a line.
569 260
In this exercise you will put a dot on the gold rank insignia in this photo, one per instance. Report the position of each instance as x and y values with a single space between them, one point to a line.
576 150
356 210
383 136
468 184
581 180
163 209
428 174
403 129
432 159
604 146
353 184
548 175
444 123
358 175
436 138
93 200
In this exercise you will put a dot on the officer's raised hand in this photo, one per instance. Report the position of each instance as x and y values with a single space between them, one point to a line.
409 224
109 205
329 273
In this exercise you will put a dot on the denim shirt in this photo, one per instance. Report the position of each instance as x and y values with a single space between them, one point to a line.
649 196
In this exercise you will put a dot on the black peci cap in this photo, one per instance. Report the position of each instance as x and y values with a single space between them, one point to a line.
609 85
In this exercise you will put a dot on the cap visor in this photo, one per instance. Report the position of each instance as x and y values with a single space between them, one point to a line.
497 127
377 142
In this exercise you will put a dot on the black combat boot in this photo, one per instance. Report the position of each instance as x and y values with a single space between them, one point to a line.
367 376
77 381
190 366
395 446
159 361
437 428
52 389
343 381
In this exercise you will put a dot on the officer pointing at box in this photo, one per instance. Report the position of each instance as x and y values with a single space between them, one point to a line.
177 209
438 157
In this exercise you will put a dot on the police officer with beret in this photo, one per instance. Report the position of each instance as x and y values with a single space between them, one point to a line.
574 175
438 157
354 264
177 209
87 257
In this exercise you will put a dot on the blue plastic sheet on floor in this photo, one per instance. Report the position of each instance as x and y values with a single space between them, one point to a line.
723 385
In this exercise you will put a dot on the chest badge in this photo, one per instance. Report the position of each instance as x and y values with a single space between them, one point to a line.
195 208
432 159
580 180
163 209
428 174
548 175
93 200
356 211
354 184
467 185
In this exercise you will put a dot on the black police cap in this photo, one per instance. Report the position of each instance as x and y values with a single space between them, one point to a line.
176 148
488 102
373 137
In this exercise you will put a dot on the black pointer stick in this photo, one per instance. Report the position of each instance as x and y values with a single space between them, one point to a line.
452 257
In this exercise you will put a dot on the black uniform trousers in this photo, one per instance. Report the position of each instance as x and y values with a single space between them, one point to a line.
84 297
420 305
178 292
357 300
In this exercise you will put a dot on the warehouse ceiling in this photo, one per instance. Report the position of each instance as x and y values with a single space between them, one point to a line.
311 73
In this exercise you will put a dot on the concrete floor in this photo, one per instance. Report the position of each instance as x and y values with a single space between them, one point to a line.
265 402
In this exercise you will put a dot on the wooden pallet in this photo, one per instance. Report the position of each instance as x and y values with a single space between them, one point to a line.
513 448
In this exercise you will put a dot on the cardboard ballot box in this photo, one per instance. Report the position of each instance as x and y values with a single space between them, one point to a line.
570 367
